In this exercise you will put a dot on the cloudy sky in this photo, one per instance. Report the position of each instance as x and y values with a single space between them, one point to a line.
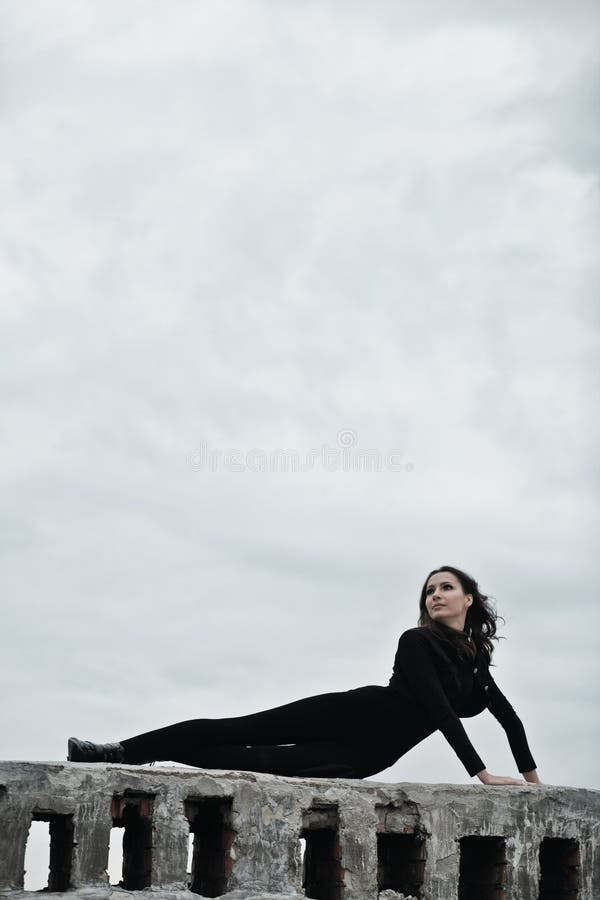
246 247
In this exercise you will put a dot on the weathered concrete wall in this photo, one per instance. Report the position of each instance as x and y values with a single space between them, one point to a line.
252 834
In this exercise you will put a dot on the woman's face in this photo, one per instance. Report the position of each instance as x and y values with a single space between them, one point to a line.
446 601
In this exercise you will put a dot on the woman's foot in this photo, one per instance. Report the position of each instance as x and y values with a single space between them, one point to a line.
87 752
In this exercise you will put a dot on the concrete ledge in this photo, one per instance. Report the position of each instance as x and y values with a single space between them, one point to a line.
364 840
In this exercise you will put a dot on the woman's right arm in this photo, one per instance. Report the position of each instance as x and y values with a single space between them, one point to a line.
414 663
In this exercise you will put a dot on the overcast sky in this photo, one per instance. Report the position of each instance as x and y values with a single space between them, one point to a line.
236 228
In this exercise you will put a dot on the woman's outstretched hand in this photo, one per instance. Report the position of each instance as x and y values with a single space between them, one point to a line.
532 777
487 778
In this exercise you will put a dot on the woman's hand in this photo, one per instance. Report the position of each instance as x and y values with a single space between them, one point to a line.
487 778
532 777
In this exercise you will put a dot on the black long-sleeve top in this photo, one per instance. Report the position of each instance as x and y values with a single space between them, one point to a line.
443 687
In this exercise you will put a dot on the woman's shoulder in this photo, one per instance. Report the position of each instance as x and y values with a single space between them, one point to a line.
420 636
425 639
419 633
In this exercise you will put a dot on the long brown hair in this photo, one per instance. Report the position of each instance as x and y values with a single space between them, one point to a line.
480 624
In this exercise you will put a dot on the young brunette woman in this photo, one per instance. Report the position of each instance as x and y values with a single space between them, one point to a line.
441 674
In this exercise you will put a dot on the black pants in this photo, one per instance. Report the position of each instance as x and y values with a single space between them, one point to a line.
348 734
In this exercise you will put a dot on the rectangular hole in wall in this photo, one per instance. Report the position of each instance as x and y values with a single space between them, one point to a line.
482 873
115 857
49 852
322 873
302 843
401 863
37 856
560 869
210 861
190 858
132 811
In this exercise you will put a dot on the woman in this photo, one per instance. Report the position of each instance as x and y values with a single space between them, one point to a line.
441 673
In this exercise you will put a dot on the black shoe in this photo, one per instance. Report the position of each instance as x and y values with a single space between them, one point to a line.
85 751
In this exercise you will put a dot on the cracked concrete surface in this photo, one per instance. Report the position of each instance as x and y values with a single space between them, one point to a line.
260 855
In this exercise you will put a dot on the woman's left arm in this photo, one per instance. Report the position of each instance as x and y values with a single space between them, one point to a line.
517 739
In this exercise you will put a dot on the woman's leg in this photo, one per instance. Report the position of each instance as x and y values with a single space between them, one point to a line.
324 759
334 719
